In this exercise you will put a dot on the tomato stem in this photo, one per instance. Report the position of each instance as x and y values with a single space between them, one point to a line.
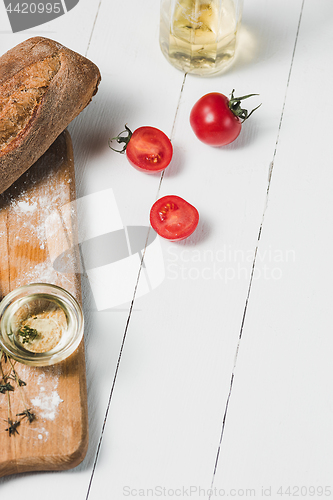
235 106
122 140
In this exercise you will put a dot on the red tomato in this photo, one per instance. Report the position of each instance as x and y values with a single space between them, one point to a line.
147 149
173 218
217 120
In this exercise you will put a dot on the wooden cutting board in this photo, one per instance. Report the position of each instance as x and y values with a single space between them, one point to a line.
58 438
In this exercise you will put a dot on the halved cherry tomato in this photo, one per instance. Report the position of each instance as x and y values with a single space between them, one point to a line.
217 120
147 149
173 218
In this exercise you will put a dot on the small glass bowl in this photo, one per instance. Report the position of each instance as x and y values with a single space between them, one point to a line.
40 324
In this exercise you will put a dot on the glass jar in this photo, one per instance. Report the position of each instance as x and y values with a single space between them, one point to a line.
40 324
199 36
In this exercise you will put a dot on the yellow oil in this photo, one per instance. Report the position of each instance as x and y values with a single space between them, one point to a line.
199 36
42 313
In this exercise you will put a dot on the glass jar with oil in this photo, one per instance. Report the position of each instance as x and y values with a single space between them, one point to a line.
40 324
199 36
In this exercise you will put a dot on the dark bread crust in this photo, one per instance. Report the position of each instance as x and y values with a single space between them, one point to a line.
68 93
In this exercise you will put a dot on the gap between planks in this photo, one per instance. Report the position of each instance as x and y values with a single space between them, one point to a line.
93 28
132 302
270 173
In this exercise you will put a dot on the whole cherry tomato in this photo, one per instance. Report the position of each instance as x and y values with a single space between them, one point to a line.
147 149
217 120
173 218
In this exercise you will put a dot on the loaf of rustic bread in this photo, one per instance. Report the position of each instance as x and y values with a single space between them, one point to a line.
43 87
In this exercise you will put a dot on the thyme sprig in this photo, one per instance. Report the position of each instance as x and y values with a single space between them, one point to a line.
6 388
27 334
27 413
12 426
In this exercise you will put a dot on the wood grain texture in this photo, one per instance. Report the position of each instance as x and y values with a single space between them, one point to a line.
58 439
279 427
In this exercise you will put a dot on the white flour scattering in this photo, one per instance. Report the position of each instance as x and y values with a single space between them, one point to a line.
48 399
44 273
43 434
48 404
26 207
30 207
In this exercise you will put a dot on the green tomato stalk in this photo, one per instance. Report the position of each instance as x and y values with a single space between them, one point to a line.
235 106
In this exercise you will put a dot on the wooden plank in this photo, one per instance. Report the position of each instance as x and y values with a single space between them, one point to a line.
279 431
58 438
60 29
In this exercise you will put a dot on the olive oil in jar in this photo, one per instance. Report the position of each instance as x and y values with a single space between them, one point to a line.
37 322
199 36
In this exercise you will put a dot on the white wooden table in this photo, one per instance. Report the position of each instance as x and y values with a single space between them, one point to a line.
218 379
